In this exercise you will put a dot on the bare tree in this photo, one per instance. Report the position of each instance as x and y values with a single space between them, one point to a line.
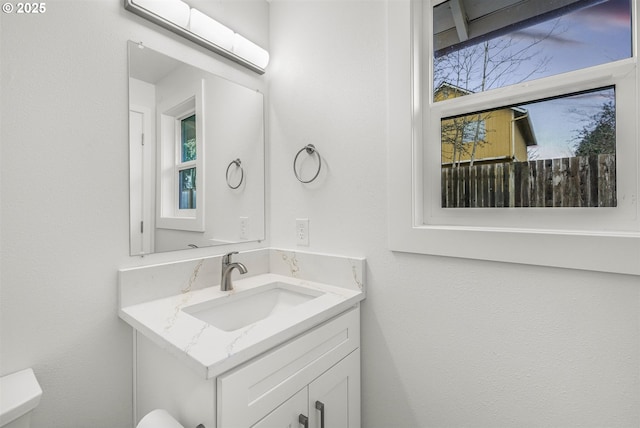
489 64
463 134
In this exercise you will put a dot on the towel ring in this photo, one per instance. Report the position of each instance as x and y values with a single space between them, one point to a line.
310 149
237 163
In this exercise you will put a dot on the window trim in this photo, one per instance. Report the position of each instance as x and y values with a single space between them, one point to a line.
170 112
578 248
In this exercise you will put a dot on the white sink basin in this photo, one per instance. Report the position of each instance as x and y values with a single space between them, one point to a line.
242 309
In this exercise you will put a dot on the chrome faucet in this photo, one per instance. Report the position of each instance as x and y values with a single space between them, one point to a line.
227 267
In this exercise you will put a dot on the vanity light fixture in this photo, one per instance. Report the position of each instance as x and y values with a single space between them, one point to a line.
210 29
174 11
178 17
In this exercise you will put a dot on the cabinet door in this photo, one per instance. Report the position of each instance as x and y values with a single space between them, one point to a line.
287 414
246 394
335 396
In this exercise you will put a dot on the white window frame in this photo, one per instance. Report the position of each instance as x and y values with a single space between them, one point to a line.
171 112
600 239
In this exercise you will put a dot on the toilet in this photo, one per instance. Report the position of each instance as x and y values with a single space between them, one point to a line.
19 394
160 418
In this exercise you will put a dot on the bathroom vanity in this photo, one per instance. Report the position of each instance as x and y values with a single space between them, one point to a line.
280 349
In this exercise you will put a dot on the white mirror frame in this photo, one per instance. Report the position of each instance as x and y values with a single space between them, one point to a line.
409 227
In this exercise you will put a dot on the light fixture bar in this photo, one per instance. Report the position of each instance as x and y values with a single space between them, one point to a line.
131 6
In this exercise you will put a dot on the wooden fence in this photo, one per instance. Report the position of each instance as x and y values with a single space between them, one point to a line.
587 181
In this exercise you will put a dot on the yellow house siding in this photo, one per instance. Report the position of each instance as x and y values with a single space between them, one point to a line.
503 139
520 145
497 141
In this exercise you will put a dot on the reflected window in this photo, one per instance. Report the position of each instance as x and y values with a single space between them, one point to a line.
188 138
187 183
181 165
186 169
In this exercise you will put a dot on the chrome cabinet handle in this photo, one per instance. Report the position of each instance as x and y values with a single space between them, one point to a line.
320 406
303 420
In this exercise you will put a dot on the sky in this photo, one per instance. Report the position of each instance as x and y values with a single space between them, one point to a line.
587 37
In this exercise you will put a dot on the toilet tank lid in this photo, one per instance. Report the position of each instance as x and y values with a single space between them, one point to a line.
19 393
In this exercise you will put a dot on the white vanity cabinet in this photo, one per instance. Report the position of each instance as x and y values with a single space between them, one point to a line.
322 365
310 379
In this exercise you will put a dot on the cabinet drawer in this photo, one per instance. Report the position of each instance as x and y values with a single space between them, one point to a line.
249 392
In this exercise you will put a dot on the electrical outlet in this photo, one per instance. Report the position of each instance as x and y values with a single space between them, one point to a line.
244 227
302 231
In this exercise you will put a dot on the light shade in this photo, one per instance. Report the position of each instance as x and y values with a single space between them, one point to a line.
248 50
211 30
180 18
174 11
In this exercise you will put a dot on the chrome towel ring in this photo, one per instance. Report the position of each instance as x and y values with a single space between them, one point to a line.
237 163
310 149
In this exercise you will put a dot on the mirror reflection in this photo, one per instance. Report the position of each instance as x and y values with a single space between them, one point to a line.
196 147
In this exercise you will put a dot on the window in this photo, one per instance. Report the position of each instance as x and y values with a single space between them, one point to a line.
505 87
527 45
529 158
474 131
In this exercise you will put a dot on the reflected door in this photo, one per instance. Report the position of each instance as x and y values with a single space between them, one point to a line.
140 182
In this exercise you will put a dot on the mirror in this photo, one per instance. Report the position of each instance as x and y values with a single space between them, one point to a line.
196 149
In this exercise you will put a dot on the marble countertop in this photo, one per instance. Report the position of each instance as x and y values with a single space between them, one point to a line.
212 351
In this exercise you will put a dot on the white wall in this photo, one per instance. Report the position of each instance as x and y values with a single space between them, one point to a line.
65 200
446 342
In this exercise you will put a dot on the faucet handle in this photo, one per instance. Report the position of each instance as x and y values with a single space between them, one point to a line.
226 259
